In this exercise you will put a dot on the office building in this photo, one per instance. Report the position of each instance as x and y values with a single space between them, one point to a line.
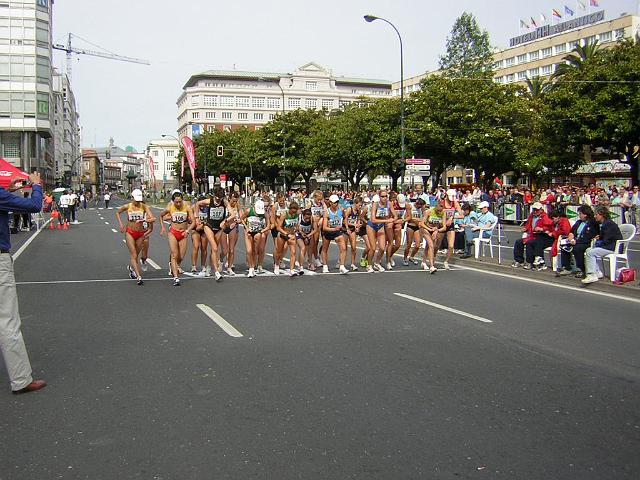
164 154
66 132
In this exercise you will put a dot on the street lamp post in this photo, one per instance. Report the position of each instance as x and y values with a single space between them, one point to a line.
371 18
284 140
164 135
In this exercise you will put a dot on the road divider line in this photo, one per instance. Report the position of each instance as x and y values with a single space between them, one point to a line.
28 242
114 230
106 223
445 308
221 322
153 264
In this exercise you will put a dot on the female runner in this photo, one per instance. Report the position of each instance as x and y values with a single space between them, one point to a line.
366 216
270 222
306 230
317 207
199 243
182 222
279 209
434 228
287 229
402 213
332 225
230 234
147 226
382 214
353 216
451 208
256 226
216 216
416 215
134 232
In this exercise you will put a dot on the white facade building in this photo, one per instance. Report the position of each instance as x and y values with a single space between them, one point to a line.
163 153
66 131
226 100
25 85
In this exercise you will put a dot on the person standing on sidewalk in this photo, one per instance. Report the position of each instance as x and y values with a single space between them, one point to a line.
107 197
11 342
73 204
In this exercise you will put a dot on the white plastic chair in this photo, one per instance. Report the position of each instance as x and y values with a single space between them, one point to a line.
484 241
555 261
628 232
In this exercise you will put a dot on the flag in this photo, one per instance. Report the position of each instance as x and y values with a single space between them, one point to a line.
190 153
568 11
594 3
555 13
523 24
543 17
152 172
581 5
533 22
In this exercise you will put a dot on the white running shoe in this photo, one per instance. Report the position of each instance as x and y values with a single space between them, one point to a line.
144 265
207 272
414 261
325 268
353 267
202 272
132 274
180 270
389 266
370 269
378 267
176 282
317 262
433 270
252 273
297 264
599 274
343 270
259 270
140 281
405 262
590 278
230 272
218 276
194 269
276 270
292 273
226 265
393 262
446 266
424 265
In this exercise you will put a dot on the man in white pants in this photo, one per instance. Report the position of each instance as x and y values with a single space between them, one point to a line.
11 341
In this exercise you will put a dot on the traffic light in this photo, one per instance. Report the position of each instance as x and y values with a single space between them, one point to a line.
220 151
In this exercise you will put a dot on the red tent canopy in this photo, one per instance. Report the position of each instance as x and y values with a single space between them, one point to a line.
8 172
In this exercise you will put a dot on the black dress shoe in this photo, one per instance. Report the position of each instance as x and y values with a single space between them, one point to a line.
32 387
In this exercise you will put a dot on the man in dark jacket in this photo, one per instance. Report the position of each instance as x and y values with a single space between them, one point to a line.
11 341
582 232
605 244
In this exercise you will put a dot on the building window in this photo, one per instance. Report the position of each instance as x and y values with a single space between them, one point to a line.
574 44
562 48
294 103
243 102
210 115
243 116
522 76
546 52
227 101
195 115
226 128
171 153
227 115
273 104
547 70
534 72
310 103
510 61
258 116
619 33
605 37
195 100
154 153
590 40
257 102
344 103
498 65
312 86
327 104
522 58
497 79
534 56
272 116
210 101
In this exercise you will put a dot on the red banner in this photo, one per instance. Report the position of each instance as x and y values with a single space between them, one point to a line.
190 153
152 172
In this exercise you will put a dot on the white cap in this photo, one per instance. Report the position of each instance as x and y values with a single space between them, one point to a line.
137 195
376 198
334 198
484 204
367 200
402 200
258 207
175 190
451 193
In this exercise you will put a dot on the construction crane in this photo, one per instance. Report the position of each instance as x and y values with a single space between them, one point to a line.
81 51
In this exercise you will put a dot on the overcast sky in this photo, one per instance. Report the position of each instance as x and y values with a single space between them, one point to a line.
135 103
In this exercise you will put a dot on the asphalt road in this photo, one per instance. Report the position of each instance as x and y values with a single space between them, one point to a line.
332 376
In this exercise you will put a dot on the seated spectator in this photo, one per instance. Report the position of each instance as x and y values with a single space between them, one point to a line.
605 244
582 232
602 198
561 228
536 236
484 223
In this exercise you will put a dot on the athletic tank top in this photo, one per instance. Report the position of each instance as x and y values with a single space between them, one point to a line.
135 213
417 213
317 210
216 214
352 219
255 222
281 210
203 214
434 219
400 212
383 212
449 211
306 227
335 218
290 222
178 215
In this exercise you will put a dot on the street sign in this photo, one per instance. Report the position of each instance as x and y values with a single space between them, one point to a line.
419 169
418 161
195 131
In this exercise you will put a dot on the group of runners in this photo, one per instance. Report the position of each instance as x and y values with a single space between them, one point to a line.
304 233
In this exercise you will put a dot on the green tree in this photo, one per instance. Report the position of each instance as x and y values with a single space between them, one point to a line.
468 50
578 58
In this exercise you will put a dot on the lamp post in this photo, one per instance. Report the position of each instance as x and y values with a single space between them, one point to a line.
284 140
369 19
164 135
